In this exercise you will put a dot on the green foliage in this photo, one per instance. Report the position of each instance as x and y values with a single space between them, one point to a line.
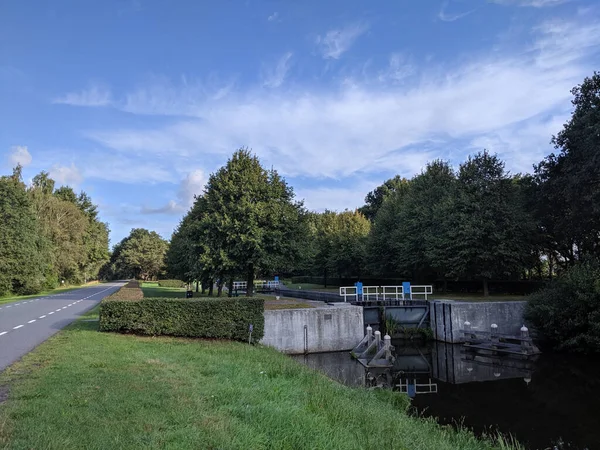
23 251
139 255
227 318
375 199
491 232
568 200
339 243
171 283
567 312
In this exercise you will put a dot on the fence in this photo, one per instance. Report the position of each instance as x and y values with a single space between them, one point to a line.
373 293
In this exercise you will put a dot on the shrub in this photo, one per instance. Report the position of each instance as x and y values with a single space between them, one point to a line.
171 283
227 318
567 312
130 292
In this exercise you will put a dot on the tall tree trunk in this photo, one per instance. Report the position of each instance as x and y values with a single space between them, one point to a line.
325 278
219 288
197 285
211 284
203 287
445 288
230 287
486 291
250 281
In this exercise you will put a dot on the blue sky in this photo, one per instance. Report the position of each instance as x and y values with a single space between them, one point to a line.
138 101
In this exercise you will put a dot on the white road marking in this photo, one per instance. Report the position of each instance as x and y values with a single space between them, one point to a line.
17 327
51 312
42 317
3 333
31 321
57 310
9 306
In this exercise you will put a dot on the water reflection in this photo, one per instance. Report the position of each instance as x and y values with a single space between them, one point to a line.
542 401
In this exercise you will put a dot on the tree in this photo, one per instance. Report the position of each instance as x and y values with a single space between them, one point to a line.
569 182
23 251
491 232
375 199
251 219
140 255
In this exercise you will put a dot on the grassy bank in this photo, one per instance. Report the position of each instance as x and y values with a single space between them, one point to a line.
85 389
14 298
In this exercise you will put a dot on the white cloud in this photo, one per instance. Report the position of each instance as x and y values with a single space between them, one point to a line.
273 17
399 68
95 95
451 17
275 76
385 126
192 185
532 3
170 208
66 175
19 154
337 42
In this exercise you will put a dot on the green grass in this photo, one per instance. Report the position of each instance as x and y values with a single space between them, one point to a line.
85 389
154 290
313 287
14 298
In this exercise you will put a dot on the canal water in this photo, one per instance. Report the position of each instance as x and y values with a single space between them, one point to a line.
550 402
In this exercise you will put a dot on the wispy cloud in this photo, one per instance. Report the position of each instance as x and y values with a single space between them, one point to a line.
66 175
274 77
338 41
449 16
273 17
372 127
170 208
19 154
531 3
95 95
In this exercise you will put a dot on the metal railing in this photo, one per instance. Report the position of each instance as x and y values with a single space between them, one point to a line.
423 290
349 291
386 293
397 292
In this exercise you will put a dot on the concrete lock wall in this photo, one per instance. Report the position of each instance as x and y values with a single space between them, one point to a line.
328 329
447 318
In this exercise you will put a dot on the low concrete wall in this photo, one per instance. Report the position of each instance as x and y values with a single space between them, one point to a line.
328 329
447 318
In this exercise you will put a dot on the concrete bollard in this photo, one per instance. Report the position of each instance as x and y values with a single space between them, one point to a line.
494 333
387 344
524 339
369 335
378 339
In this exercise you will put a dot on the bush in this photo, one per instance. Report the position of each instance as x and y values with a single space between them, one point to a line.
171 283
130 292
227 318
567 312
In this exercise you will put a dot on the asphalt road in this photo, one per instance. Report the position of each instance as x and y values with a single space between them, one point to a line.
24 324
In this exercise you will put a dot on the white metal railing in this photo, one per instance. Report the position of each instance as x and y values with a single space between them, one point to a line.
420 388
349 291
370 291
237 285
424 290
389 291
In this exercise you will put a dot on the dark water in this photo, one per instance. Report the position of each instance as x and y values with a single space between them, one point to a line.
546 403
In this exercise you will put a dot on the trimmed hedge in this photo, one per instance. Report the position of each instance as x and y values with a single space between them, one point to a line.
225 318
131 292
171 283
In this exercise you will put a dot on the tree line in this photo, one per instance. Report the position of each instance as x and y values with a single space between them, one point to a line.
48 235
474 222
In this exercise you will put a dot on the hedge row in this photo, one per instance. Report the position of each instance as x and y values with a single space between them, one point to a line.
171 283
130 292
224 318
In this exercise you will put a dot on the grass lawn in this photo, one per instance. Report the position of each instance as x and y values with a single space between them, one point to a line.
85 389
313 287
478 297
15 298
154 290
